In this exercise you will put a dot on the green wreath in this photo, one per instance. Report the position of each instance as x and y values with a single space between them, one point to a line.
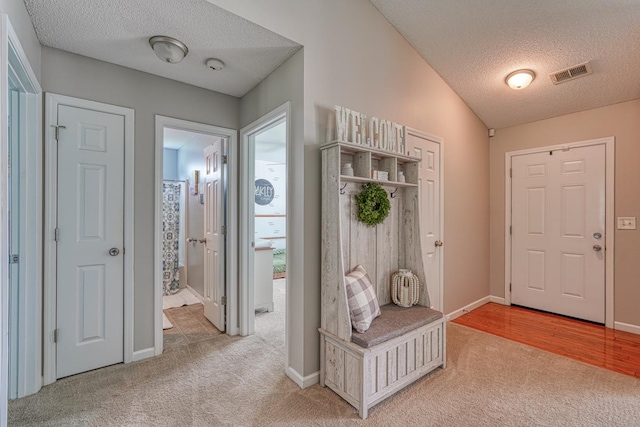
373 205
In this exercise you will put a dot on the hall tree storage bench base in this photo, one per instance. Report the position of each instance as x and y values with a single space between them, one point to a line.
403 344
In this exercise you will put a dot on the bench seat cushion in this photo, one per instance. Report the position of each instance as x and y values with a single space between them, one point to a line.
393 322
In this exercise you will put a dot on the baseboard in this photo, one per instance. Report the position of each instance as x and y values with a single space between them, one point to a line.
626 327
303 382
459 312
497 300
196 293
143 354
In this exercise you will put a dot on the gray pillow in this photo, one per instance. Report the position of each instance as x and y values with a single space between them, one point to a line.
361 296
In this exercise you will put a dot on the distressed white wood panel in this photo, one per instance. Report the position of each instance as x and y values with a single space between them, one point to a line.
381 371
573 211
353 381
573 275
392 365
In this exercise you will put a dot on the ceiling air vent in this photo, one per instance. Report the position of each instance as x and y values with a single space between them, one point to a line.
571 73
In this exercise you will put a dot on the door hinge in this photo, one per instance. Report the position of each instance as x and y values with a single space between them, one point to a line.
55 335
224 300
224 230
225 159
56 234
509 287
58 127
14 259
510 229
510 173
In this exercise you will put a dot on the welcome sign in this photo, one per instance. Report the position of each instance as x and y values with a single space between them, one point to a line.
352 126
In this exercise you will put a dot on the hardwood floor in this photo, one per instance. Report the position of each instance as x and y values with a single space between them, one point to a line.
587 342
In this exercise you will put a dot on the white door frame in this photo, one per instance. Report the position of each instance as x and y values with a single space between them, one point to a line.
231 135
609 144
28 313
440 142
50 247
247 168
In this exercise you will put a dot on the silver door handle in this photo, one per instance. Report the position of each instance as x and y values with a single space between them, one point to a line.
597 248
114 251
438 243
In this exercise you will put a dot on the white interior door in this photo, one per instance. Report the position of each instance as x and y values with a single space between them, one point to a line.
558 243
429 191
90 282
214 254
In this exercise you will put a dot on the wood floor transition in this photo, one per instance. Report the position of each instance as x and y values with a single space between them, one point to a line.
587 342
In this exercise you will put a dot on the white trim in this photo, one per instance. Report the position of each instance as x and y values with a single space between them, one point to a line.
4 223
143 354
497 300
231 136
303 382
196 293
609 143
467 308
247 210
627 327
50 250
440 141
27 315
247 314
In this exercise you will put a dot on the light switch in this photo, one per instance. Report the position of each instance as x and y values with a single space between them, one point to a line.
626 223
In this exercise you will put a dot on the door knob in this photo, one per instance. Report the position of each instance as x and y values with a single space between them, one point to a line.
597 248
438 243
114 251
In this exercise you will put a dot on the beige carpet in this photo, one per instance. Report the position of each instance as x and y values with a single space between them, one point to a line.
240 382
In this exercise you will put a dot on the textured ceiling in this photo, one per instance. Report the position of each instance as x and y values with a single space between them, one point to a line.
473 45
118 31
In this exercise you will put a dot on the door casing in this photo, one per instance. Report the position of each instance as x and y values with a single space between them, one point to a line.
609 143
231 137
50 247
246 262
14 65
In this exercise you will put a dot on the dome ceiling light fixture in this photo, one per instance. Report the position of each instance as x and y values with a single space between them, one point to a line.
168 49
520 79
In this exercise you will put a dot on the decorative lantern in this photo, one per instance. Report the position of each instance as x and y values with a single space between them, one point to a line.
405 288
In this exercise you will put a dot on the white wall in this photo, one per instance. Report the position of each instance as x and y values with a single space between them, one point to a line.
82 77
169 163
355 58
24 29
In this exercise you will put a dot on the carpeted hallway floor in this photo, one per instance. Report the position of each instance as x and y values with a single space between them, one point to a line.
229 381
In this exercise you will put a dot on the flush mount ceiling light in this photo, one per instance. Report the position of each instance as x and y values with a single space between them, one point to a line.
520 79
168 49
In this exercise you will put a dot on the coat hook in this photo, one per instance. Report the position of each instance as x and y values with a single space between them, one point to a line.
393 195
342 189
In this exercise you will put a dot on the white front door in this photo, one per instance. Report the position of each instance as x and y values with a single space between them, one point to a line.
214 255
429 193
558 243
90 283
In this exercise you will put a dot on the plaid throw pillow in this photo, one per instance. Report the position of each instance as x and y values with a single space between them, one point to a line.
363 303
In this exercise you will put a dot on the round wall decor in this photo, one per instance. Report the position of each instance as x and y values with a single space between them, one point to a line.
373 204
264 192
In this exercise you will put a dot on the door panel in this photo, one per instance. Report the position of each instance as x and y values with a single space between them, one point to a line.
90 282
557 206
214 272
429 194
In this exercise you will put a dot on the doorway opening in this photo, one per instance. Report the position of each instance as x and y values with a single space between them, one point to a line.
192 274
263 237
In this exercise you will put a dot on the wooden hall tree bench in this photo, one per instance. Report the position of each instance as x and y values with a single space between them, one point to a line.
402 344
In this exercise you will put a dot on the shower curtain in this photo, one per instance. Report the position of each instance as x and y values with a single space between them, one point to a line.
171 237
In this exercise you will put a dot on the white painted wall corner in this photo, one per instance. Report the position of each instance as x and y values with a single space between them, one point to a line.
303 382
497 300
470 307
